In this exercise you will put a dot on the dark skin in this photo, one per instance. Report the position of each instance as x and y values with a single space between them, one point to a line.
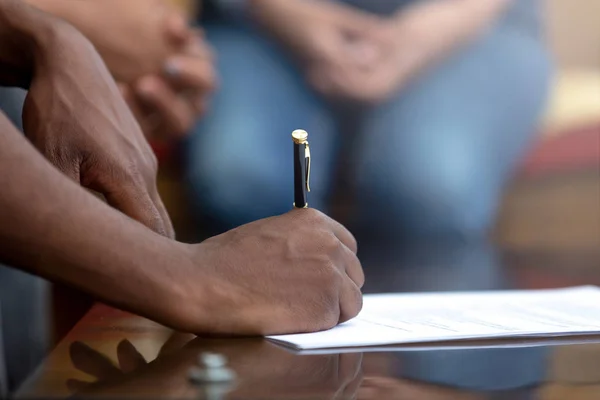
263 370
262 278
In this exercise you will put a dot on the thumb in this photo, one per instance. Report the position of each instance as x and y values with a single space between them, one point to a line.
358 22
130 359
177 28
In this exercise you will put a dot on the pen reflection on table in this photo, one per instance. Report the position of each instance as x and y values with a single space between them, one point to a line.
263 369
301 157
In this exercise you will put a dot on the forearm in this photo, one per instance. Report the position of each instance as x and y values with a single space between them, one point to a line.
51 227
430 31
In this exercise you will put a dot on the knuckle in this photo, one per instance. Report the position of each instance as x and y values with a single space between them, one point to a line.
331 277
352 242
331 319
132 173
325 309
328 240
313 215
358 303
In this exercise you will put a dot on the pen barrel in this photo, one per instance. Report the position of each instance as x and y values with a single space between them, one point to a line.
300 200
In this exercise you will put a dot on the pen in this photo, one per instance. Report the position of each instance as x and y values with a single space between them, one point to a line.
301 168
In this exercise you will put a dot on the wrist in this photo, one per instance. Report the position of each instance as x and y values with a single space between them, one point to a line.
193 294
165 285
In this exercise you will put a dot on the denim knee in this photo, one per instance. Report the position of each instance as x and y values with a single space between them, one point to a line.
449 196
233 200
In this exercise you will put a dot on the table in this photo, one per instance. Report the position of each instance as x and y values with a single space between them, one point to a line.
116 354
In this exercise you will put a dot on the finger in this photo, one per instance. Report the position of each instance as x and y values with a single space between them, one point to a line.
133 200
92 362
191 73
177 28
343 235
354 21
353 266
350 372
350 301
76 386
175 342
352 389
129 357
177 114
198 46
160 206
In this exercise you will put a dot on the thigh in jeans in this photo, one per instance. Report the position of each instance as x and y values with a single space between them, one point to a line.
434 160
239 157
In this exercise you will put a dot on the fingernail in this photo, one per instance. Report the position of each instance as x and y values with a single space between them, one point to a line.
172 67
178 26
145 87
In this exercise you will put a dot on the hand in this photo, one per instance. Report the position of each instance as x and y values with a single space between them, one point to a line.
164 66
328 39
165 377
75 115
167 105
412 40
288 274
381 76
262 367
129 35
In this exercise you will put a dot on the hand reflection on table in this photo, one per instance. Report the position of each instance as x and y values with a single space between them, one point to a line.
165 376
263 369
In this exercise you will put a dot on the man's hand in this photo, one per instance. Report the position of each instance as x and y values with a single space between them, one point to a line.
129 35
328 39
294 273
168 104
265 369
164 66
75 115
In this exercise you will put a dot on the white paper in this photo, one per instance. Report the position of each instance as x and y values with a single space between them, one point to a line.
390 319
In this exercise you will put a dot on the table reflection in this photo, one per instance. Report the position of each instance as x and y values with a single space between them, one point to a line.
445 266
268 371
264 370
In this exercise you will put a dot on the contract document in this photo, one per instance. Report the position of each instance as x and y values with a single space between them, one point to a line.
390 319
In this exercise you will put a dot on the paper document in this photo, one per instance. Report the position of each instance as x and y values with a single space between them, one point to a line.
389 319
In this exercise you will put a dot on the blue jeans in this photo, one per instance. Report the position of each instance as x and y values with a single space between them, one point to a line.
430 161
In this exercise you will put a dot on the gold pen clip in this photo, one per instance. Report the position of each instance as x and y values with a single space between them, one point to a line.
307 156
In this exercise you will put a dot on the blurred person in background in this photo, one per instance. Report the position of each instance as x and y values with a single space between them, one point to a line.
439 99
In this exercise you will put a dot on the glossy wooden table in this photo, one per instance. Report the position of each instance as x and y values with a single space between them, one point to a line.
114 354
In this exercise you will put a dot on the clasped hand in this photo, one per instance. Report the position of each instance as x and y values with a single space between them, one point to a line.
345 53
163 66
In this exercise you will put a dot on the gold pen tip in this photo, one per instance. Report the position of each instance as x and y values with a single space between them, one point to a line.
300 136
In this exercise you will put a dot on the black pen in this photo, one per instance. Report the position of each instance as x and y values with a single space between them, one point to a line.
301 168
